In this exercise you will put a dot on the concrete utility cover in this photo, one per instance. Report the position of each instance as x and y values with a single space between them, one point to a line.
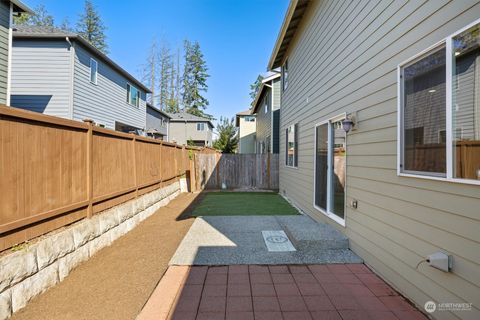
277 241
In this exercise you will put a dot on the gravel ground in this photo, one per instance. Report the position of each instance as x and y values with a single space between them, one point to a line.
118 280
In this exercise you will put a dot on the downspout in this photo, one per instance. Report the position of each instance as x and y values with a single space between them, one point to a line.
72 70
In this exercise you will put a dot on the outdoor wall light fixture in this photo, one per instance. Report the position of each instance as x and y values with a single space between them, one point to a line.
349 122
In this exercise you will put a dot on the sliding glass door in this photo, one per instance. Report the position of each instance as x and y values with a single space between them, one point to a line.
330 162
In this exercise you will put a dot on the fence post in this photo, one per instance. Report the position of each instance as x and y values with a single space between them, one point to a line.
161 167
89 154
135 164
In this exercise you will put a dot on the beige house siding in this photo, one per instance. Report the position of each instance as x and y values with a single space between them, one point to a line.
181 132
246 132
344 58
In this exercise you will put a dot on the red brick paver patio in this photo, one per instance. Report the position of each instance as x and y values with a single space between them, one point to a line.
326 292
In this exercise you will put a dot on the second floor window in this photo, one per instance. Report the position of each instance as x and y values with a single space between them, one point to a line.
250 119
266 103
200 126
93 71
133 95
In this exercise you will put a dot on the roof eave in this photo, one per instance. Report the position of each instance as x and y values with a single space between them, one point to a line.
257 98
22 6
295 8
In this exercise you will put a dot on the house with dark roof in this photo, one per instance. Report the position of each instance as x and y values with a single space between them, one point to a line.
245 121
266 107
8 9
157 123
58 73
186 127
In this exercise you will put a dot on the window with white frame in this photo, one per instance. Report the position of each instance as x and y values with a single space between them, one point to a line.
439 109
133 95
201 126
249 119
93 71
291 156
285 75
265 102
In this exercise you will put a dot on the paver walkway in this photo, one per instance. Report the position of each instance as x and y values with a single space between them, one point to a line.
246 292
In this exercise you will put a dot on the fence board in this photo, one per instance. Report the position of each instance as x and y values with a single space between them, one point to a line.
56 171
237 171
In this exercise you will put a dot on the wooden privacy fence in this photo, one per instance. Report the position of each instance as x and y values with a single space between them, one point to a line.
236 171
56 171
432 157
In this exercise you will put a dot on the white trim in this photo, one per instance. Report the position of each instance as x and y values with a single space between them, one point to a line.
448 44
9 56
328 212
448 104
272 77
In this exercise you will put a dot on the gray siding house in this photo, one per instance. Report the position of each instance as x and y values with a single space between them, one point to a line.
404 182
157 123
58 73
184 127
266 107
7 10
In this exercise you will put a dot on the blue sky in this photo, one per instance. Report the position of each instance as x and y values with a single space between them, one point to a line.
236 36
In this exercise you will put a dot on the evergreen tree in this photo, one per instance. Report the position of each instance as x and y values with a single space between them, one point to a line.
65 25
165 67
227 141
41 18
194 80
149 72
254 87
91 27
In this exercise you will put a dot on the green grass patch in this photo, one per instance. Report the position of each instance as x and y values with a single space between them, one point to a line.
243 204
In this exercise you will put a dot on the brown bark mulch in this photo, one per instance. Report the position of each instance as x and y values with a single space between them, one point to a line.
118 280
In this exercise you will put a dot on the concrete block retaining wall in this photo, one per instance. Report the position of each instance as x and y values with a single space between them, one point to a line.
31 271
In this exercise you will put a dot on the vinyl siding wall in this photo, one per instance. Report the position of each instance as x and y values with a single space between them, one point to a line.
106 101
344 58
4 35
181 132
276 94
246 133
155 120
264 122
41 77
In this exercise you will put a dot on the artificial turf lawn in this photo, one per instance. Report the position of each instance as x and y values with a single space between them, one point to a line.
243 204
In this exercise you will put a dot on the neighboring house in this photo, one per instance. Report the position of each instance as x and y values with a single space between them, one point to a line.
185 127
266 107
7 10
404 183
157 123
246 124
59 73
